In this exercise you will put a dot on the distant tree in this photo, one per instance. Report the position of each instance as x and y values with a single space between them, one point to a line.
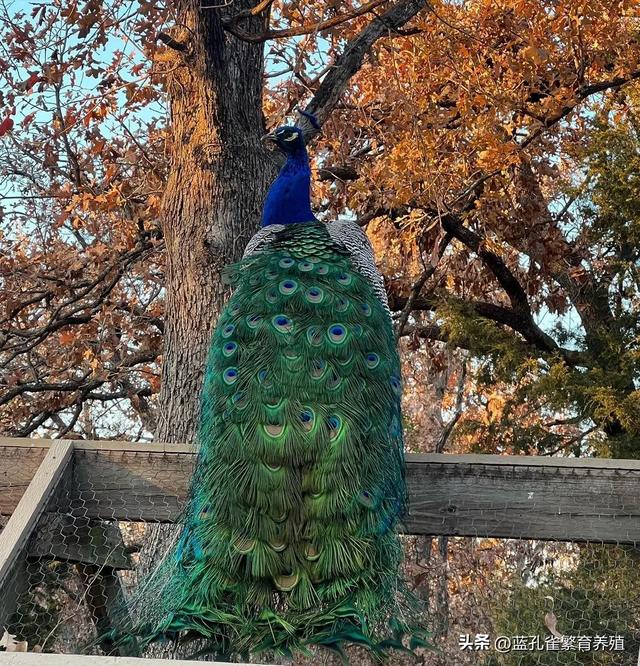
597 319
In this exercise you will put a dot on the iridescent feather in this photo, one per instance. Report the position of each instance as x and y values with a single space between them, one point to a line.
289 535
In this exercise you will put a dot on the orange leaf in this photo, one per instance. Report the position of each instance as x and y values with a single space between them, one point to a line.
26 121
66 337
6 125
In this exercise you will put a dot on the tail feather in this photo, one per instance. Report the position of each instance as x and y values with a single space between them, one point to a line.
289 535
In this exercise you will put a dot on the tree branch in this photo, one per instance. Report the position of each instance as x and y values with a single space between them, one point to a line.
145 356
231 25
172 43
338 172
517 295
581 94
516 321
420 282
335 82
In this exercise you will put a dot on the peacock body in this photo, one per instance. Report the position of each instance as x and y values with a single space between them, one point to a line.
289 535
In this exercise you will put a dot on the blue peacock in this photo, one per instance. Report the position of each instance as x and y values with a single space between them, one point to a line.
289 534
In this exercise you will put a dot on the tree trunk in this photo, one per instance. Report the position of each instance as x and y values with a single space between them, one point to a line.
218 178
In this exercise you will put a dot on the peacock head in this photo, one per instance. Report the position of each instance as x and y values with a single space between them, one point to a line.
288 138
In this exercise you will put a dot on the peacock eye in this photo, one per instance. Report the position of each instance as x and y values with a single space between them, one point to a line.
292 137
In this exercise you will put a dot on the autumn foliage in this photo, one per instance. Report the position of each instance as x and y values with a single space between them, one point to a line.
461 145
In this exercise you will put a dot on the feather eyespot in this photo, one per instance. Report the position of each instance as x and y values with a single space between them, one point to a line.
344 279
366 499
314 295
288 287
229 348
287 262
274 429
282 323
234 310
395 384
253 321
263 379
240 400
272 295
334 425
334 381
342 304
337 333
318 368
228 330
305 266
230 376
314 336
271 275
244 545
372 360
365 309
286 583
307 418
322 269
345 360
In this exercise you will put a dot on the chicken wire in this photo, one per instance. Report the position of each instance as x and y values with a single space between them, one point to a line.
491 601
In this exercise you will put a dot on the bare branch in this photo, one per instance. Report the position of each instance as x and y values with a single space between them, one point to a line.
517 295
457 413
582 93
420 282
517 321
338 172
83 384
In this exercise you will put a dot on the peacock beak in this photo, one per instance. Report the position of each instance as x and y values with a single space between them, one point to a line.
270 140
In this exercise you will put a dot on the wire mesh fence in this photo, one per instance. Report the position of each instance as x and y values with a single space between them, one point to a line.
491 601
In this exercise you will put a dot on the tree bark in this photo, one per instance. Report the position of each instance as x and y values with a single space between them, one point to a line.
218 178
219 174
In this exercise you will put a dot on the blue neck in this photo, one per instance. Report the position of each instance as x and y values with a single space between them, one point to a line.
289 198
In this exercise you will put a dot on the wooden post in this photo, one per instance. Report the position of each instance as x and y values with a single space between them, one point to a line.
15 535
18 465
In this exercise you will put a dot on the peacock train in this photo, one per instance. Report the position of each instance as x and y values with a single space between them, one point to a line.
289 537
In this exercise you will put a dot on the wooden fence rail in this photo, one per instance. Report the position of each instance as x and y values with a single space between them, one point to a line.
526 497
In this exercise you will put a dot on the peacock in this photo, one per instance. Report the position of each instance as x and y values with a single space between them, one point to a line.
288 538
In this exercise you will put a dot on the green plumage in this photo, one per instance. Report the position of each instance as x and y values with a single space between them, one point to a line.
289 535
